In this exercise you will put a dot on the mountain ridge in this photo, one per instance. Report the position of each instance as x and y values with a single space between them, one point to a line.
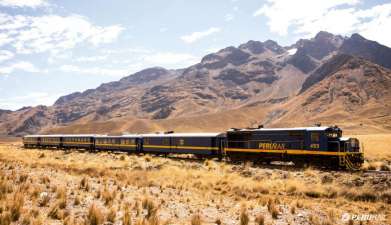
254 74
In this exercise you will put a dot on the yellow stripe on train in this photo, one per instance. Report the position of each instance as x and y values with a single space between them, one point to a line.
287 151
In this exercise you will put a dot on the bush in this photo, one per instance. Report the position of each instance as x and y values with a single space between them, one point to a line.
148 205
111 215
15 206
196 220
260 220
244 219
94 216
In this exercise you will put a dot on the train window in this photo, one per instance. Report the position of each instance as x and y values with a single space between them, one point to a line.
181 142
298 134
132 141
146 141
166 141
315 137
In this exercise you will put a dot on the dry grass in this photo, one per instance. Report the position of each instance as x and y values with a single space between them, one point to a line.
196 220
95 215
377 147
260 220
244 218
85 188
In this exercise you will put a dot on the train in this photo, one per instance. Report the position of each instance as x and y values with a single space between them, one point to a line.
318 146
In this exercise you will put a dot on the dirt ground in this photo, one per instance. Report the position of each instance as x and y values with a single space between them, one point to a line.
58 187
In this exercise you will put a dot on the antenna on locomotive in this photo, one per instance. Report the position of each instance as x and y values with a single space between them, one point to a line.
260 126
318 124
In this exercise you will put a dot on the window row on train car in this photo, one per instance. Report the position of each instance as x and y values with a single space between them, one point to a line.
123 141
50 139
76 139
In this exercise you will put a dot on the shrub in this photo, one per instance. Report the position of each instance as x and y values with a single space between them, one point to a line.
196 220
271 207
5 218
260 220
126 220
111 215
54 212
44 199
108 196
312 193
94 216
15 206
148 205
384 167
77 200
244 219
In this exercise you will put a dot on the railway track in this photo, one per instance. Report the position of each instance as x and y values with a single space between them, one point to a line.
377 171
273 165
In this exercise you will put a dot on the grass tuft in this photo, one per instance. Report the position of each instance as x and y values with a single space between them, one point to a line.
260 220
196 220
94 216
244 218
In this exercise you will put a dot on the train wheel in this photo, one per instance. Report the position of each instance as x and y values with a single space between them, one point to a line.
301 164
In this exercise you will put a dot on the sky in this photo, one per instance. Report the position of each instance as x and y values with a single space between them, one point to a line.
51 48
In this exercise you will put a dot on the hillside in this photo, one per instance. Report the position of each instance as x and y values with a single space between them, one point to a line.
328 78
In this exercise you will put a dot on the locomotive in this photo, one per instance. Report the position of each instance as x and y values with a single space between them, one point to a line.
304 146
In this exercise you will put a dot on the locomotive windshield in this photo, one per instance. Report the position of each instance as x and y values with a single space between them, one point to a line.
333 133
354 145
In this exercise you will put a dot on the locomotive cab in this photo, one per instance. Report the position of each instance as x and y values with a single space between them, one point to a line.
348 144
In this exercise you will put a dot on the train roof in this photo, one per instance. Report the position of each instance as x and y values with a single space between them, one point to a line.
286 129
120 136
64 135
182 135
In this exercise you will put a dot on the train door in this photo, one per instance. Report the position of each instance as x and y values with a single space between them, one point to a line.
222 144
314 140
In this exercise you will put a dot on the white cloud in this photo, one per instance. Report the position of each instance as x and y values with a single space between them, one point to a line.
21 65
307 17
284 13
91 58
53 33
195 36
123 67
24 3
6 55
229 17
94 70
30 99
378 24
212 50
170 59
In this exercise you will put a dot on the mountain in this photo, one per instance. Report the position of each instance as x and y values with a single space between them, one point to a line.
317 79
348 89
371 50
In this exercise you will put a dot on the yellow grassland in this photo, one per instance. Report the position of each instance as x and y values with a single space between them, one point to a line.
58 187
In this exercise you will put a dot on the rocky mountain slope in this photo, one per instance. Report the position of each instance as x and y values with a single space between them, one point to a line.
326 78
